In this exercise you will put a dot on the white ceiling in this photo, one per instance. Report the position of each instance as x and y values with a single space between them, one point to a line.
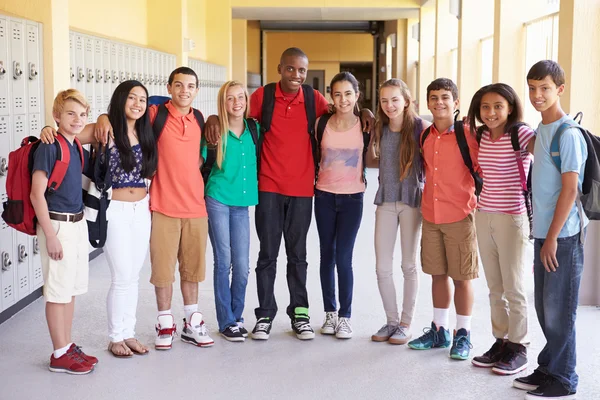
323 14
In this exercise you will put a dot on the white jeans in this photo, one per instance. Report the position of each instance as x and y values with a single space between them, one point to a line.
126 248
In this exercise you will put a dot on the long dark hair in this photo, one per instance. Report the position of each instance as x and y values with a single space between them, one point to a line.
347 77
143 127
509 94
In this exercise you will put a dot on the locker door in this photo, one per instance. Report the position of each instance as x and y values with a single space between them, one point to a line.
142 63
151 72
121 62
34 70
89 80
18 67
79 68
7 268
5 147
114 66
133 57
4 69
164 74
98 78
127 62
148 56
107 83
72 64
21 252
37 279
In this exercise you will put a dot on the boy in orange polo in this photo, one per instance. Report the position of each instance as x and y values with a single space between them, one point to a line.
448 242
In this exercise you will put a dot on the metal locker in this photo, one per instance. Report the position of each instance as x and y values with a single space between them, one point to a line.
142 65
133 62
79 66
21 264
114 66
107 82
153 71
72 63
33 70
148 70
128 63
35 272
5 147
35 125
98 81
89 80
7 274
164 65
121 63
4 68
17 68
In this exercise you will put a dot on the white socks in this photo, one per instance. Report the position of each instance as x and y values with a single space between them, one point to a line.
62 351
463 321
441 317
189 310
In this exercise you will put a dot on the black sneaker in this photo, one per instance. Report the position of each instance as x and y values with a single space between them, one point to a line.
513 360
242 329
490 357
550 389
302 328
233 334
262 329
530 382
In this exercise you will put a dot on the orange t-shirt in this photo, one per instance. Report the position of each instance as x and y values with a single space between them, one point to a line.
449 194
177 189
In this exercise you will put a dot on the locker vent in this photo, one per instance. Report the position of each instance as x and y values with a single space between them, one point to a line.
23 282
3 124
8 292
31 36
16 33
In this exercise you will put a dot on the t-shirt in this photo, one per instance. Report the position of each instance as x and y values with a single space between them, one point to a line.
286 164
502 189
547 182
68 197
341 164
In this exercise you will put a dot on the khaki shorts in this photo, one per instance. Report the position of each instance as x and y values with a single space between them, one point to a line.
177 239
68 277
450 249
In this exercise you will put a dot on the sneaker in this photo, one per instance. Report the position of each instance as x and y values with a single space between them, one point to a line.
431 339
262 329
71 363
330 323
400 336
461 345
195 332
243 330
165 330
551 388
343 329
233 334
530 382
301 324
384 333
490 357
90 359
513 361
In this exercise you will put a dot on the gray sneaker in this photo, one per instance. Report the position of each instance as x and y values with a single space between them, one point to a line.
384 333
400 336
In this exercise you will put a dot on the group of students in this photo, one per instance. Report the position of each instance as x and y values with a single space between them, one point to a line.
427 191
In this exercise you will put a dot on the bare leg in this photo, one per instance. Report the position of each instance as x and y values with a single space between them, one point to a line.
69 311
55 316
163 297
463 297
441 291
189 290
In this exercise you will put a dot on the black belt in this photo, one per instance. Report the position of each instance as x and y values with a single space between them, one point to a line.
66 217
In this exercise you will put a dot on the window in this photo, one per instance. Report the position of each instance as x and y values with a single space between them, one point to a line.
486 51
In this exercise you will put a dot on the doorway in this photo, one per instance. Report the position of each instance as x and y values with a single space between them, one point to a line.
363 72
316 79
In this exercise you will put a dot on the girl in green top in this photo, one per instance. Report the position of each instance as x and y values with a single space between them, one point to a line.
232 186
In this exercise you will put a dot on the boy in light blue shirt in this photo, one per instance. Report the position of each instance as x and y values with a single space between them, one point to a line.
559 230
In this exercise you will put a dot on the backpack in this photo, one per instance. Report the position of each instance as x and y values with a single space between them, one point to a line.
267 115
161 116
590 189
525 180
461 139
319 138
211 152
96 183
18 211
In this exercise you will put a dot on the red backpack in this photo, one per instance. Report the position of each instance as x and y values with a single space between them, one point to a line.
18 210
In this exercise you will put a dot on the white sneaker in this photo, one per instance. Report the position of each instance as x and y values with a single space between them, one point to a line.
195 332
165 330
331 320
343 329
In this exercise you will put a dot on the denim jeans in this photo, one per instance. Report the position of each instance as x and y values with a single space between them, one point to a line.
229 232
290 216
556 297
338 218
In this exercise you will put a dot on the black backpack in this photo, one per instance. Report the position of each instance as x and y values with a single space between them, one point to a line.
211 152
267 115
590 189
319 138
461 139
163 114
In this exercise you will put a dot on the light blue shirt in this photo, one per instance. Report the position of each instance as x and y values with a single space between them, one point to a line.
546 181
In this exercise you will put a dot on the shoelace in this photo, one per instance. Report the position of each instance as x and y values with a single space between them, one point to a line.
201 329
401 330
262 325
344 326
167 331
429 334
463 341
302 325
234 329
493 350
329 319
75 356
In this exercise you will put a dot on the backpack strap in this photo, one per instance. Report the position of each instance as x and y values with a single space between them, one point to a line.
266 113
199 118
424 136
309 105
253 128
211 157
463 146
479 133
555 143
319 138
63 158
160 120
514 139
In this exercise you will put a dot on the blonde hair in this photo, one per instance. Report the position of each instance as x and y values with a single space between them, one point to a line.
70 94
407 141
224 117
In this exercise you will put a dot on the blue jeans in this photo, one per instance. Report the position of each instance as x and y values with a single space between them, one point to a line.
229 232
556 297
338 218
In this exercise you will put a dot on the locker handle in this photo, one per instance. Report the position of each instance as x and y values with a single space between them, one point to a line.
106 75
98 76
22 253
3 166
6 263
17 71
33 73
71 72
115 77
80 74
2 70
90 75
36 246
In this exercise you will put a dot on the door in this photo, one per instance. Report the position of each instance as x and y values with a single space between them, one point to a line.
316 79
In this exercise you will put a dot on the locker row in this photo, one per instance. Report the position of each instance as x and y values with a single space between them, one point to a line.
211 77
21 114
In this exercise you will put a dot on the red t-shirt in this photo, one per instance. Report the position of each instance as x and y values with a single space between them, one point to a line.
286 165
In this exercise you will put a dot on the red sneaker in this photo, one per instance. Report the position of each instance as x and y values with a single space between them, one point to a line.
90 359
71 363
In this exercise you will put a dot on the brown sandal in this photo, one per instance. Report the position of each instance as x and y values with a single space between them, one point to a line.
136 346
117 348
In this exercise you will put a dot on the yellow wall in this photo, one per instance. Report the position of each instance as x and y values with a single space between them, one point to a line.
218 33
253 47
329 3
197 28
239 43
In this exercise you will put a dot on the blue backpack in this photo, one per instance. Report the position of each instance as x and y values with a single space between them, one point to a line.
590 189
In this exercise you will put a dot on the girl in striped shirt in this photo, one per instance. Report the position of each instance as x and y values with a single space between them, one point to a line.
501 220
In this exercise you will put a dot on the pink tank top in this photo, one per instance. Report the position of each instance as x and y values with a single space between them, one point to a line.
341 164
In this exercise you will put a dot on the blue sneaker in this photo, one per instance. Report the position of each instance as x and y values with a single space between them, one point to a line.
431 339
461 345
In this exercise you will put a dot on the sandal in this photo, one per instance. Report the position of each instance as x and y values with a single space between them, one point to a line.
136 346
120 350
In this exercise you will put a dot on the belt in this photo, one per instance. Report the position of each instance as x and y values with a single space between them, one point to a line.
66 217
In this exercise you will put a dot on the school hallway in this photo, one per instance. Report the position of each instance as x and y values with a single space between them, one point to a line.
282 367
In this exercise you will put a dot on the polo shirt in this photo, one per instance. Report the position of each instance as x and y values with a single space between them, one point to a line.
286 165
177 190
449 194
235 183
